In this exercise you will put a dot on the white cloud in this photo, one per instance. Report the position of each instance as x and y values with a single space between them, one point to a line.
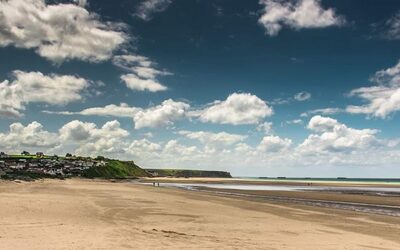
302 96
161 115
164 114
274 144
321 124
82 137
173 148
127 62
236 109
265 127
143 74
92 140
221 138
122 110
77 131
143 146
21 137
280 101
330 143
58 32
392 27
134 82
323 111
382 99
334 136
147 8
295 121
299 15
35 87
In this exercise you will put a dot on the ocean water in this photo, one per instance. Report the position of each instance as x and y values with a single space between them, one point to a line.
266 187
338 179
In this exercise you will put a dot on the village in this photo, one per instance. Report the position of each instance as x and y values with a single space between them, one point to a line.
41 165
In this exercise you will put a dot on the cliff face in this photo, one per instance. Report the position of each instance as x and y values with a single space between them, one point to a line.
188 173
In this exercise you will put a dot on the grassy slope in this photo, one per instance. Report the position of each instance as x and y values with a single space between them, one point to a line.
116 169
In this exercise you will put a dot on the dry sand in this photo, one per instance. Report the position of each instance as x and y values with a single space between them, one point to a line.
82 214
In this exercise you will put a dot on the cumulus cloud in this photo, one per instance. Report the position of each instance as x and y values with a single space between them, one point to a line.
143 74
33 135
161 115
164 114
321 124
302 96
382 99
274 144
77 131
221 138
330 143
93 140
134 82
143 146
58 32
147 8
333 136
174 148
299 14
238 108
35 87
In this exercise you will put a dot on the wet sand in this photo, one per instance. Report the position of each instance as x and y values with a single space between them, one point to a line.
83 214
286 182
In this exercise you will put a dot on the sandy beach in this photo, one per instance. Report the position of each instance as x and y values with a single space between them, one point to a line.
91 214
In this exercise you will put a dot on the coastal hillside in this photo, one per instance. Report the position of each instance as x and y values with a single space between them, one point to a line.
28 167
188 173
116 169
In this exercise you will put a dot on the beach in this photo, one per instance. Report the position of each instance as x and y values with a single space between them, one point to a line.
99 214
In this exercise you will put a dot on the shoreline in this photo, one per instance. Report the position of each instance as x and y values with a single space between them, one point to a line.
336 196
269 182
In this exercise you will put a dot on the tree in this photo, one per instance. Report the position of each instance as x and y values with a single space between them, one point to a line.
25 153
68 155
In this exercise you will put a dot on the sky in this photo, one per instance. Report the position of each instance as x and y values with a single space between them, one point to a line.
297 88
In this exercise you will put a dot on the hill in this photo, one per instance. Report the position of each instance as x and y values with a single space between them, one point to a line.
116 169
28 167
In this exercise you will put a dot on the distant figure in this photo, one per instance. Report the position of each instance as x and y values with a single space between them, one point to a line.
154 184
158 184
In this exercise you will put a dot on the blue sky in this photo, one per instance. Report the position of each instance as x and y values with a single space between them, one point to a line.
258 88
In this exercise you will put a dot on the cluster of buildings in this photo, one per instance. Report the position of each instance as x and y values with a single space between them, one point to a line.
40 164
